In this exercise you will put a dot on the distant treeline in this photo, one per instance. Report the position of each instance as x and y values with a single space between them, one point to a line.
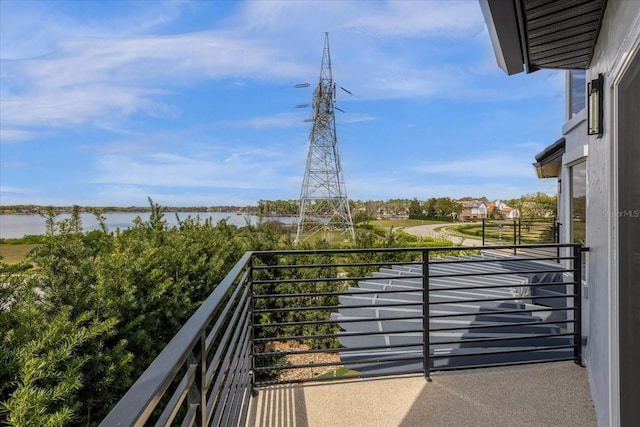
538 204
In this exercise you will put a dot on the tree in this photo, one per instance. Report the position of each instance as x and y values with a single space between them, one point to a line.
446 206
98 310
536 205
360 217
49 368
429 207
414 207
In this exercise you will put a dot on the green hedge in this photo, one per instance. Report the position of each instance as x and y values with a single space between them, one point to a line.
30 239
432 218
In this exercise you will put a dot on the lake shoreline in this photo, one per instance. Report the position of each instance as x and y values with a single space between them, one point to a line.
15 226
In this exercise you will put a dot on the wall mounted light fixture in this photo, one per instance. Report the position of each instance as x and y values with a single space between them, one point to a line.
595 106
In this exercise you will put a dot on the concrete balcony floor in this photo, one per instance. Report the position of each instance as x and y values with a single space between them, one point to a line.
547 394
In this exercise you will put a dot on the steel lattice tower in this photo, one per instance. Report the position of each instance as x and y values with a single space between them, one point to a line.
323 198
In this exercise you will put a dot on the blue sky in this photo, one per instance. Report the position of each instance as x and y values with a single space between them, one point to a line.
192 102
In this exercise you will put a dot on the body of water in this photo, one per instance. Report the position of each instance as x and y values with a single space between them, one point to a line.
17 226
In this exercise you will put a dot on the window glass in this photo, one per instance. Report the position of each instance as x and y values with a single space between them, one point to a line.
579 202
579 210
577 91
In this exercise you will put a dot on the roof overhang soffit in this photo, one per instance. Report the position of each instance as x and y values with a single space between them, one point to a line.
502 23
537 34
549 161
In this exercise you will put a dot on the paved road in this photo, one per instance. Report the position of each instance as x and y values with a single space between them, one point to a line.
429 230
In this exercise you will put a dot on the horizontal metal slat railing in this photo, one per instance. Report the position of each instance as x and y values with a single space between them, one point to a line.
485 351
306 326
276 312
520 231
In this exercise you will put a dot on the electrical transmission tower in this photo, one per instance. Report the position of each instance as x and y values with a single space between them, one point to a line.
323 198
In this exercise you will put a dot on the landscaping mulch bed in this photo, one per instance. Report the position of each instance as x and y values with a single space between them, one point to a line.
303 359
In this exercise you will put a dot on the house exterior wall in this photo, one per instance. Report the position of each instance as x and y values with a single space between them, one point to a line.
576 151
482 210
618 41
474 210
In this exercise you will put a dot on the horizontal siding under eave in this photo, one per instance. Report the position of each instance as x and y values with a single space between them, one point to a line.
566 51
585 23
580 62
571 14
575 39
533 4
535 9
543 39
576 56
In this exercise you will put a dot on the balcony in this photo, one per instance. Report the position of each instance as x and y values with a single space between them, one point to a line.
548 394
304 337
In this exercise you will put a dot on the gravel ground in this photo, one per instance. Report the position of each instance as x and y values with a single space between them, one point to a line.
303 359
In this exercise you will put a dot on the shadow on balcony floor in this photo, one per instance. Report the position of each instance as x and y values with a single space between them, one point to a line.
555 394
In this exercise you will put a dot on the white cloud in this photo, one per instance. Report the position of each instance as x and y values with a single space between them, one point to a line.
379 188
91 78
45 24
282 120
117 75
491 165
134 195
287 120
9 192
421 19
16 135
381 18
144 59
355 118
221 167
73 105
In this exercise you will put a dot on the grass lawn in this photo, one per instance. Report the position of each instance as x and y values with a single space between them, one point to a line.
342 371
453 231
12 254
333 237
397 224
403 223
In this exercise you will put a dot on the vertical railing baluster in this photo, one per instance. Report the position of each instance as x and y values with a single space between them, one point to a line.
519 230
425 315
252 358
197 395
483 231
577 291
202 378
557 237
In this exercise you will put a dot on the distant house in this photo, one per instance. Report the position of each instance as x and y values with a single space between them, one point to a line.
473 209
507 211
501 205
511 213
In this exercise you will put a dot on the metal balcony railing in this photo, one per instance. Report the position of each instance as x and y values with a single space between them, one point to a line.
520 231
363 310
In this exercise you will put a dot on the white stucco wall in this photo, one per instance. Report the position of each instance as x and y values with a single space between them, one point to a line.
576 151
619 39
